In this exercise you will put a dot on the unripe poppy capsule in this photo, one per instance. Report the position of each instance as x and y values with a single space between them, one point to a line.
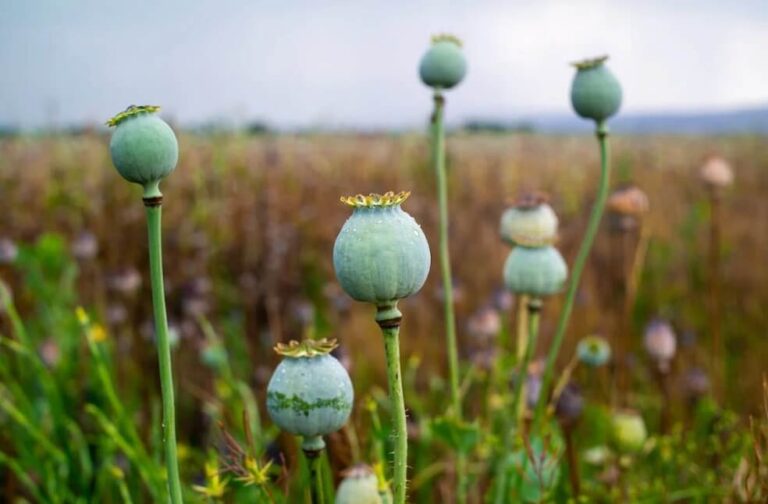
595 91
593 351
537 272
143 147
381 254
629 432
359 486
443 65
310 393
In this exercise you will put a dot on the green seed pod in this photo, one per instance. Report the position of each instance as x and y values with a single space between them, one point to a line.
143 147
310 393
595 91
359 486
536 272
381 254
628 431
443 65
530 223
593 351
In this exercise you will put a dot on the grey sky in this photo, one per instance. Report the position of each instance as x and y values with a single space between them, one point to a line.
308 62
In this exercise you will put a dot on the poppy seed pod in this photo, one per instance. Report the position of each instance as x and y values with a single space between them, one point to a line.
595 91
530 223
570 405
536 272
443 65
381 254
310 393
628 431
359 486
716 173
630 200
660 342
593 351
143 147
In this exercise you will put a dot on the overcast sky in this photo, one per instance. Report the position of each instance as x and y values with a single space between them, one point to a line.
353 63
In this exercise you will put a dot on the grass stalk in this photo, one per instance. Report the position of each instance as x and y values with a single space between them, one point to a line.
154 213
578 268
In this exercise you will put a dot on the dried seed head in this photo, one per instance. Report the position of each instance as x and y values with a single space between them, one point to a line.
716 173
570 404
629 200
85 247
696 383
484 324
8 251
660 342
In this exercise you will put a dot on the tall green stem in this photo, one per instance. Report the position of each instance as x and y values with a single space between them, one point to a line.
154 213
438 154
314 460
533 307
578 268
388 318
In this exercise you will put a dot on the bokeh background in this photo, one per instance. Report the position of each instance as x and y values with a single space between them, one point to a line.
281 108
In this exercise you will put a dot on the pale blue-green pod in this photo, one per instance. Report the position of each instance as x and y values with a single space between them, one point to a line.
593 351
443 66
143 147
595 91
529 226
359 486
310 393
628 431
381 254
537 272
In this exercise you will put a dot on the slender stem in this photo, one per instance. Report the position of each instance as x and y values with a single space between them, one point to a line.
154 213
314 459
438 139
578 268
714 288
388 317
445 260
573 461
522 347
518 401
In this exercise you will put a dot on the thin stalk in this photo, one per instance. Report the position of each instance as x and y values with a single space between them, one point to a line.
388 318
522 346
533 308
714 288
578 268
154 213
573 461
438 139
315 476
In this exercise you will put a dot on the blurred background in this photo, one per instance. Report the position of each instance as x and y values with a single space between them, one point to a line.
282 107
